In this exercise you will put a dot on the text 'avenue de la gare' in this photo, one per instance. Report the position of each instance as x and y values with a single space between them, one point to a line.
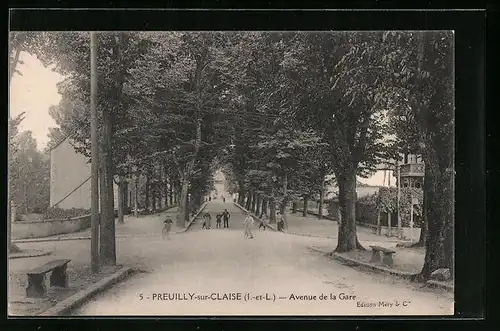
241 296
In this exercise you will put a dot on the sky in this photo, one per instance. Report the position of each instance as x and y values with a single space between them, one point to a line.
35 91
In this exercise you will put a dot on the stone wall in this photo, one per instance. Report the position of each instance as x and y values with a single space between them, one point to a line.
47 228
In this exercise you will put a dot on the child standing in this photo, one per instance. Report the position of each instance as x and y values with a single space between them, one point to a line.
167 227
281 222
206 221
218 221
263 220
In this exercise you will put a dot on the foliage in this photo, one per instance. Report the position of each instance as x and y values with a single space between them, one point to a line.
29 173
366 209
387 201
277 111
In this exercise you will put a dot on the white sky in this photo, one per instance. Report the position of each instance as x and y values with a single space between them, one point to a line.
35 91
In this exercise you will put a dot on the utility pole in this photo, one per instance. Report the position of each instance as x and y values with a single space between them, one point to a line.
94 240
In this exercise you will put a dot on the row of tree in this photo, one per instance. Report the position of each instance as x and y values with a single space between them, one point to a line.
279 112
366 98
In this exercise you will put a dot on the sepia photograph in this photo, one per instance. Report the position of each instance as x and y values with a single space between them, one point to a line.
220 173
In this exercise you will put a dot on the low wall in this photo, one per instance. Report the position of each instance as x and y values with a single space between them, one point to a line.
47 228
315 213
408 233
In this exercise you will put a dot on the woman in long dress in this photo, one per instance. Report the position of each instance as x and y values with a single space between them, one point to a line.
248 222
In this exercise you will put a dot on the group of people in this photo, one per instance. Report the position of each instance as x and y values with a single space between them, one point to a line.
248 222
207 220
263 220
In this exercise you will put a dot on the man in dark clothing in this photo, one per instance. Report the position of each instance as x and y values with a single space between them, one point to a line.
225 217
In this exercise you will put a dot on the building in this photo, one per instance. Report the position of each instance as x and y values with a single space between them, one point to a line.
412 170
220 187
70 178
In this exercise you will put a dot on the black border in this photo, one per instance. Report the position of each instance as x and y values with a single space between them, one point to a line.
470 29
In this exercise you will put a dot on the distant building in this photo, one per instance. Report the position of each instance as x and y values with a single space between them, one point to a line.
70 178
219 183
412 170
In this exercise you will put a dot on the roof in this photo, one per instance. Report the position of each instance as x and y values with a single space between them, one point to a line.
61 141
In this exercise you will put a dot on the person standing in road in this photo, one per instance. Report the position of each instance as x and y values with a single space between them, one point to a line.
218 220
248 222
280 222
263 221
167 227
207 221
225 217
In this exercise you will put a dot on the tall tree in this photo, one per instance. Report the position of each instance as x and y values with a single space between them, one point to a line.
422 70
339 76
12 163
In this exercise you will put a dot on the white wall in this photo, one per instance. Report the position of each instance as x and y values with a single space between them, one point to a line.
69 169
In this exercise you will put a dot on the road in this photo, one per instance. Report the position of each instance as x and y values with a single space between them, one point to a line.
201 269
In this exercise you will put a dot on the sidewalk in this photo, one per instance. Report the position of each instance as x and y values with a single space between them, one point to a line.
312 226
80 276
144 225
406 260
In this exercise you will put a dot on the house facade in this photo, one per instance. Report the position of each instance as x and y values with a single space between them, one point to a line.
70 178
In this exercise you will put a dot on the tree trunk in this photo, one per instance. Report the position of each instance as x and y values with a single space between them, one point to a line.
148 187
125 197
294 207
165 187
258 204
306 204
170 191
183 204
154 192
241 197
136 196
272 211
120 200
183 214
107 248
439 252
347 239
264 206
176 192
254 202
248 203
321 198
9 226
284 201
423 227
378 222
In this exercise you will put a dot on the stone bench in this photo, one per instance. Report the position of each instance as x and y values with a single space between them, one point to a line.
36 277
387 260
